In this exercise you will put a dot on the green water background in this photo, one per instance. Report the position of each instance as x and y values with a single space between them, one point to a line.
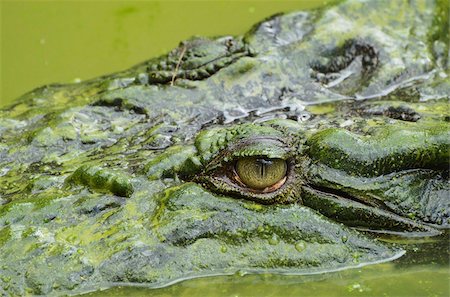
46 42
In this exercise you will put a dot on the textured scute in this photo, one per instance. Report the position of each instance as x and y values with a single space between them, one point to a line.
388 149
99 180
419 194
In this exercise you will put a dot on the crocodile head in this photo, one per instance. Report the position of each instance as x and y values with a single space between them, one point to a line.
286 150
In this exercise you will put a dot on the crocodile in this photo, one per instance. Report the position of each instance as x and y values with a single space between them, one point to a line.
291 149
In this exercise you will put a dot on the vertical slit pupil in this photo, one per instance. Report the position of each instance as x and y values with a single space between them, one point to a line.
262 163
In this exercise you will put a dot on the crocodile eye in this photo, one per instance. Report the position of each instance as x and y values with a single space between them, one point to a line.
261 174
259 168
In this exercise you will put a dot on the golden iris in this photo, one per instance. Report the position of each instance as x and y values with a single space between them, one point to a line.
261 173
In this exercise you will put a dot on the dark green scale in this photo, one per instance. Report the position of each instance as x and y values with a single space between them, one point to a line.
197 59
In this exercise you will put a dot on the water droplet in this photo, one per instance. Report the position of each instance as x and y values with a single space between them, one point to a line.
274 240
300 246
356 257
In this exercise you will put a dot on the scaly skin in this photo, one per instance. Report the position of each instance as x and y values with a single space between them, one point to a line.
126 178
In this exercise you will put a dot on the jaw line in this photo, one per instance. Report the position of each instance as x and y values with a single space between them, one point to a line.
362 216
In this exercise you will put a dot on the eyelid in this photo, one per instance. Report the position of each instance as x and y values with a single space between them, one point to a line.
269 147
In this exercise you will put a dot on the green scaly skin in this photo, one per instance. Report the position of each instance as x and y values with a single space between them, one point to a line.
125 179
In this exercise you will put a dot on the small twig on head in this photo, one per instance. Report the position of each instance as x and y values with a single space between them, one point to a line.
174 75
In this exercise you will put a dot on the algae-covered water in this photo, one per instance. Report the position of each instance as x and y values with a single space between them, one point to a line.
64 41
45 42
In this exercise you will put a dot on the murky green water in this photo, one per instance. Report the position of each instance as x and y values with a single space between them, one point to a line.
48 41
60 41
383 280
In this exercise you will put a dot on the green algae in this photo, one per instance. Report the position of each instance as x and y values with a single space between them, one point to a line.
175 159
102 179
388 149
